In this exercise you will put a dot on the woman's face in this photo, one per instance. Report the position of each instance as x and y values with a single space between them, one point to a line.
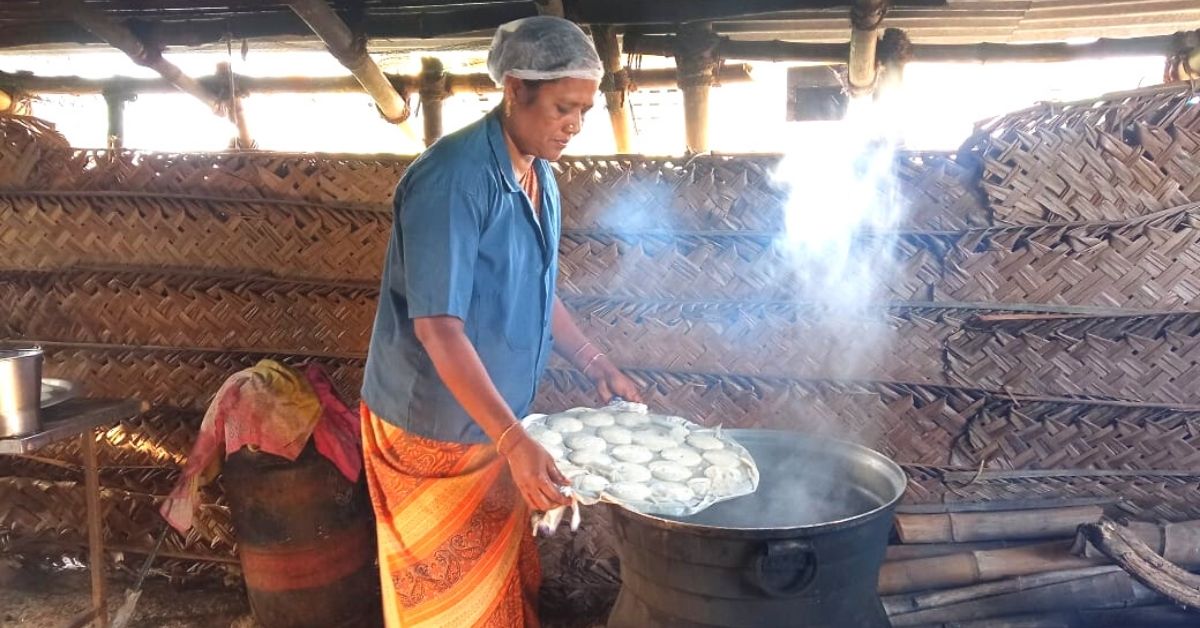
545 117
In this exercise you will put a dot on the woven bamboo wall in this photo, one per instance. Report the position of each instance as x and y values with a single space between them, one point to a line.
1045 315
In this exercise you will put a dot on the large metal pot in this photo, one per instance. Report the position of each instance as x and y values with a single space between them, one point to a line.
804 550
20 391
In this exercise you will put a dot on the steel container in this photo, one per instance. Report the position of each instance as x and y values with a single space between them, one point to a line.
20 391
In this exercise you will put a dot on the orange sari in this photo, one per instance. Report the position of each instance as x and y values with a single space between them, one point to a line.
455 548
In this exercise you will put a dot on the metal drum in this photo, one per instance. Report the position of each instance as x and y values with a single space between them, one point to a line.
306 541
802 551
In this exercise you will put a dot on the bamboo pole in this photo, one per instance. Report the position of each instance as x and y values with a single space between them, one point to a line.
615 86
233 104
433 93
123 39
929 550
695 60
920 574
865 18
837 53
454 84
1112 589
351 52
909 603
115 104
1012 525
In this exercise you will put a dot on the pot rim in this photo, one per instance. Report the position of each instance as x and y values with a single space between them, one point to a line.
892 468
19 352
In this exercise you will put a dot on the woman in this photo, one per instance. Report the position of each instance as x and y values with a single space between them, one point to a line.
467 316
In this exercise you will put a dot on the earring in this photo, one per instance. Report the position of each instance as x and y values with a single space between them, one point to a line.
507 108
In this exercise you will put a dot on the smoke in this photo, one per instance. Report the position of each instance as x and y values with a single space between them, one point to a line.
840 219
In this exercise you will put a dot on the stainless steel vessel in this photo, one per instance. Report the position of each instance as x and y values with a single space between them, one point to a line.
20 391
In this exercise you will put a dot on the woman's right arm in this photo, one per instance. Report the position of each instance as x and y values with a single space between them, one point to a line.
458 365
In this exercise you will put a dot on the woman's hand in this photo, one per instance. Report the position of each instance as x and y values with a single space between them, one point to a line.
611 382
534 472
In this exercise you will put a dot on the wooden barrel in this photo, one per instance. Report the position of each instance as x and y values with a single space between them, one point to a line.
306 541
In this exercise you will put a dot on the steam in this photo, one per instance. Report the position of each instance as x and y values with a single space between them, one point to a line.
840 219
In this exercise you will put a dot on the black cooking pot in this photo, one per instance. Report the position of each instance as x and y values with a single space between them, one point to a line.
803 550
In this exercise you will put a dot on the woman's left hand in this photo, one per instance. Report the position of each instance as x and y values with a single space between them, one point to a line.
611 382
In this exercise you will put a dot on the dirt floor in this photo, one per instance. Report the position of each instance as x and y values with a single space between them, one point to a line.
31 597
38 597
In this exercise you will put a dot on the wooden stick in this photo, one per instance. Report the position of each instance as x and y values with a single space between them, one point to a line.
955 570
95 527
992 526
900 604
1149 568
1177 542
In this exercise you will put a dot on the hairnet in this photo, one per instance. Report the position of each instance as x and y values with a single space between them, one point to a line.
542 48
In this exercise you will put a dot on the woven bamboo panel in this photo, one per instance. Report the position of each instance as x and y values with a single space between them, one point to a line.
1176 149
33 509
722 266
33 155
338 179
188 310
741 194
1147 358
263 238
1082 161
770 339
1150 263
939 193
707 193
1146 496
172 377
704 193
1066 435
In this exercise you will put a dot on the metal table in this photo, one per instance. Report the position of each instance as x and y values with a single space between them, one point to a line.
81 418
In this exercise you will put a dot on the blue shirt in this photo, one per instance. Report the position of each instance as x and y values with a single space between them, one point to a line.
465 244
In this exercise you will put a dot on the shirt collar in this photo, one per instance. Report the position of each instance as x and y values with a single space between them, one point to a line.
500 150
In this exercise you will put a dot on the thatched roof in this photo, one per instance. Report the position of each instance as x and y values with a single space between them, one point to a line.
410 23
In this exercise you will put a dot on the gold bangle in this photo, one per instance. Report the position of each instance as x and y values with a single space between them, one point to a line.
500 441
592 361
575 356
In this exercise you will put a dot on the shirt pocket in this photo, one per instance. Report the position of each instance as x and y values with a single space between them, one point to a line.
513 316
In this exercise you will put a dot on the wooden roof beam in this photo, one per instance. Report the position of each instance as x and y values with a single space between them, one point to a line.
122 38
351 51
